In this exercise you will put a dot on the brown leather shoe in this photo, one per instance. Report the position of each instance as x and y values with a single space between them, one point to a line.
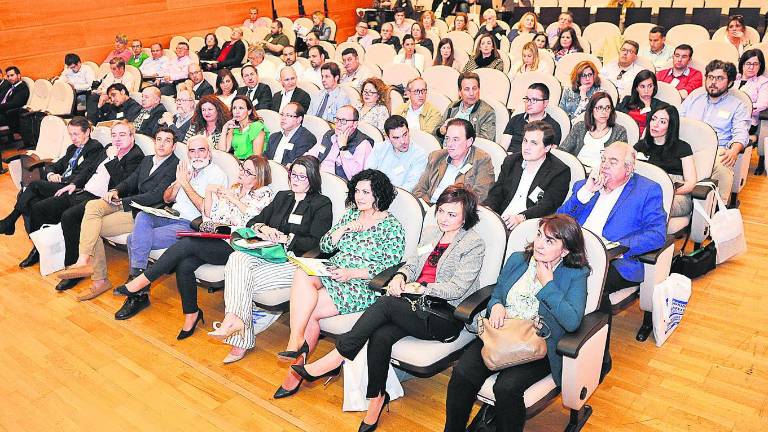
74 272
93 291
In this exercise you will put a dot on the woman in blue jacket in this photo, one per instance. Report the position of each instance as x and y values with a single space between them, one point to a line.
548 279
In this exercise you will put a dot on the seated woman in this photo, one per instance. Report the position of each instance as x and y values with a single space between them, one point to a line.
373 109
567 42
428 28
445 54
226 86
664 148
296 218
643 100
542 41
737 33
322 30
528 62
210 51
461 22
245 134
548 279
408 54
752 82
368 240
447 269
527 24
585 81
486 55
231 55
229 206
421 37
208 119
598 130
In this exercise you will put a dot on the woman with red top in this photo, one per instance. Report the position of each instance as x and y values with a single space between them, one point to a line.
642 101
445 267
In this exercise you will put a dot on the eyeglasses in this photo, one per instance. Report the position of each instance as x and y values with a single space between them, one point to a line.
246 170
752 64
627 51
370 93
419 91
289 115
606 108
343 122
716 78
298 177
135 46
532 100
587 75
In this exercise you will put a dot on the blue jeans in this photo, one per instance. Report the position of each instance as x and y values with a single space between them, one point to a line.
149 233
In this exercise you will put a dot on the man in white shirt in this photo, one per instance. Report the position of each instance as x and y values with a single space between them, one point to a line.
317 57
176 71
397 157
75 74
289 58
253 16
622 71
155 66
354 72
293 139
658 51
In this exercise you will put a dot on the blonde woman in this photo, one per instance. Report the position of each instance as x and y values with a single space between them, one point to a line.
529 60
527 24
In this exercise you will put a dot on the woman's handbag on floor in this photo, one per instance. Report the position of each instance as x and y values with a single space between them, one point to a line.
697 263
726 228
49 242
518 341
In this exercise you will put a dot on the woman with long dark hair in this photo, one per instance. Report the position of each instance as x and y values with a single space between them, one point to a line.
486 55
446 56
642 100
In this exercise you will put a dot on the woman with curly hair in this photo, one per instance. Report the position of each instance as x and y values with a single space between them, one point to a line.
245 134
208 119
374 107
486 55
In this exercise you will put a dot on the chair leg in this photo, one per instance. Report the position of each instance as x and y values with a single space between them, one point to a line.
646 327
578 419
734 202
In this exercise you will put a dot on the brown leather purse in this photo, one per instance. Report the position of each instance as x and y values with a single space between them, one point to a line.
518 341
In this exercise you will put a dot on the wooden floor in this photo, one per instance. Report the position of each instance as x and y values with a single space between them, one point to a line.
69 366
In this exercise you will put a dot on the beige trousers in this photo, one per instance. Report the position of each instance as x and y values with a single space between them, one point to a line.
723 175
102 219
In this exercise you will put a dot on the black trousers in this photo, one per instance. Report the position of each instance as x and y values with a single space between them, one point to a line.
467 379
71 221
36 191
183 258
385 322
92 107
51 210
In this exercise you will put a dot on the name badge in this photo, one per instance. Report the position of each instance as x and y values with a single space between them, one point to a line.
399 169
498 36
534 196
295 219
321 148
645 110
674 82
425 249
465 168
289 146
723 114
119 115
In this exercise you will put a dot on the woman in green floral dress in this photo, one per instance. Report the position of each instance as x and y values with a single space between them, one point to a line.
367 240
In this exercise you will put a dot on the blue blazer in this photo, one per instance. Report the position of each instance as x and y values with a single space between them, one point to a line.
561 302
641 225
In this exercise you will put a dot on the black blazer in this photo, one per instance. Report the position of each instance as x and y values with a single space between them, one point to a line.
209 54
17 99
91 149
394 41
145 188
180 132
107 112
552 178
150 125
302 141
262 97
234 57
299 96
118 169
204 89
316 218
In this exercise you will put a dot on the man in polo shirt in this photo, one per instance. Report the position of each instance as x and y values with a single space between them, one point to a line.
275 41
138 55
658 51
681 76
536 100
397 157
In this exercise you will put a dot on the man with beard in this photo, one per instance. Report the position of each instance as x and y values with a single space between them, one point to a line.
151 232
728 116
317 57
180 121
289 58
276 41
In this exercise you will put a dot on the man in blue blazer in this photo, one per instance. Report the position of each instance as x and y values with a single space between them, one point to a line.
293 139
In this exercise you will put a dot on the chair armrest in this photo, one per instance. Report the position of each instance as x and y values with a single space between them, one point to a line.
13 158
652 256
571 343
702 189
472 305
40 164
616 252
382 279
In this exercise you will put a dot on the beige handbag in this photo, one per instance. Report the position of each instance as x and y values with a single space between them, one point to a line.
518 341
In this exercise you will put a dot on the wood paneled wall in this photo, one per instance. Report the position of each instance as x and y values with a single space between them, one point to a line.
35 35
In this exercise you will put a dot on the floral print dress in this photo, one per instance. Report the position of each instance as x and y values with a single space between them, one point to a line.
374 249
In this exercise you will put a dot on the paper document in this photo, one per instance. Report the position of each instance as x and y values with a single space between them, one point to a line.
154 211
312 266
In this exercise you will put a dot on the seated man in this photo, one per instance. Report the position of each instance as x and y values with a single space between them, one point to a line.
400 25
293 139
354 72
117 75
256 56
176 71
113 215
458 162
111 166
681 76
57 175
331 97
728 116
13 96
137 54
387 37
536 100
289 58
232 53
317 58
658 51
492 27
115 104
79 77
148 119
532 183
421 114
260 94
289 93
470 108
197 83
312 39
397 157
564 21
155 66
344 149
253 16
275 41
362 35
622 72
181 120
154 232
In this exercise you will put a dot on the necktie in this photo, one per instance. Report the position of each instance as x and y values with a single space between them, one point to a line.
250 93
5 98
73 162
321 110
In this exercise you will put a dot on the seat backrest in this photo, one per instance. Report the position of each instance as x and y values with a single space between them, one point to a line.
136 74
329 48
227 163
658 175
145 143
560 116
102 134
380 54
597 32
407 209
502 116
633 130
574 166
371 131
308 86
196 43
494 85
335 188
271 119
54 139
39 95
169 103
316 125
61 99
703 141
439 100
462 41
424 140
569 61
495 151
719 49
398 73
223 33
175 41
691 34
279 177
211 78
344 45
521 83
669 94
274 85
638 32
395 99
442 79
752 34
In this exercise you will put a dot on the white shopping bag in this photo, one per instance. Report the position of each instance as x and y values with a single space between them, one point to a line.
49 241
670 299
726 228
262 319
356 382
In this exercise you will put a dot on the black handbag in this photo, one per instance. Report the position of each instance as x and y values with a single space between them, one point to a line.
429 307
485 420
697 263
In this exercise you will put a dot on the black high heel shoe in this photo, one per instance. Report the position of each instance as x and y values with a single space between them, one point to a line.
302 372
283 393
183 334
293 355
365 427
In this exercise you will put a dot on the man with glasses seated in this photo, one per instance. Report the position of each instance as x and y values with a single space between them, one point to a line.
681 76
154 67
362 35
536 100
420 114
138 55
471 108
621 72
197 83
728 116
293 139
180 121
290 92
397 157
331 97
343 150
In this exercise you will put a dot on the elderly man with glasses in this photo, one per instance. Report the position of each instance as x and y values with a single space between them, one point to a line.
420 114
180 121
344 150
293 139
536 100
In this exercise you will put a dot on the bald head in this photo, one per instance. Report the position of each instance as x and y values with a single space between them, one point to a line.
288 78
150 97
